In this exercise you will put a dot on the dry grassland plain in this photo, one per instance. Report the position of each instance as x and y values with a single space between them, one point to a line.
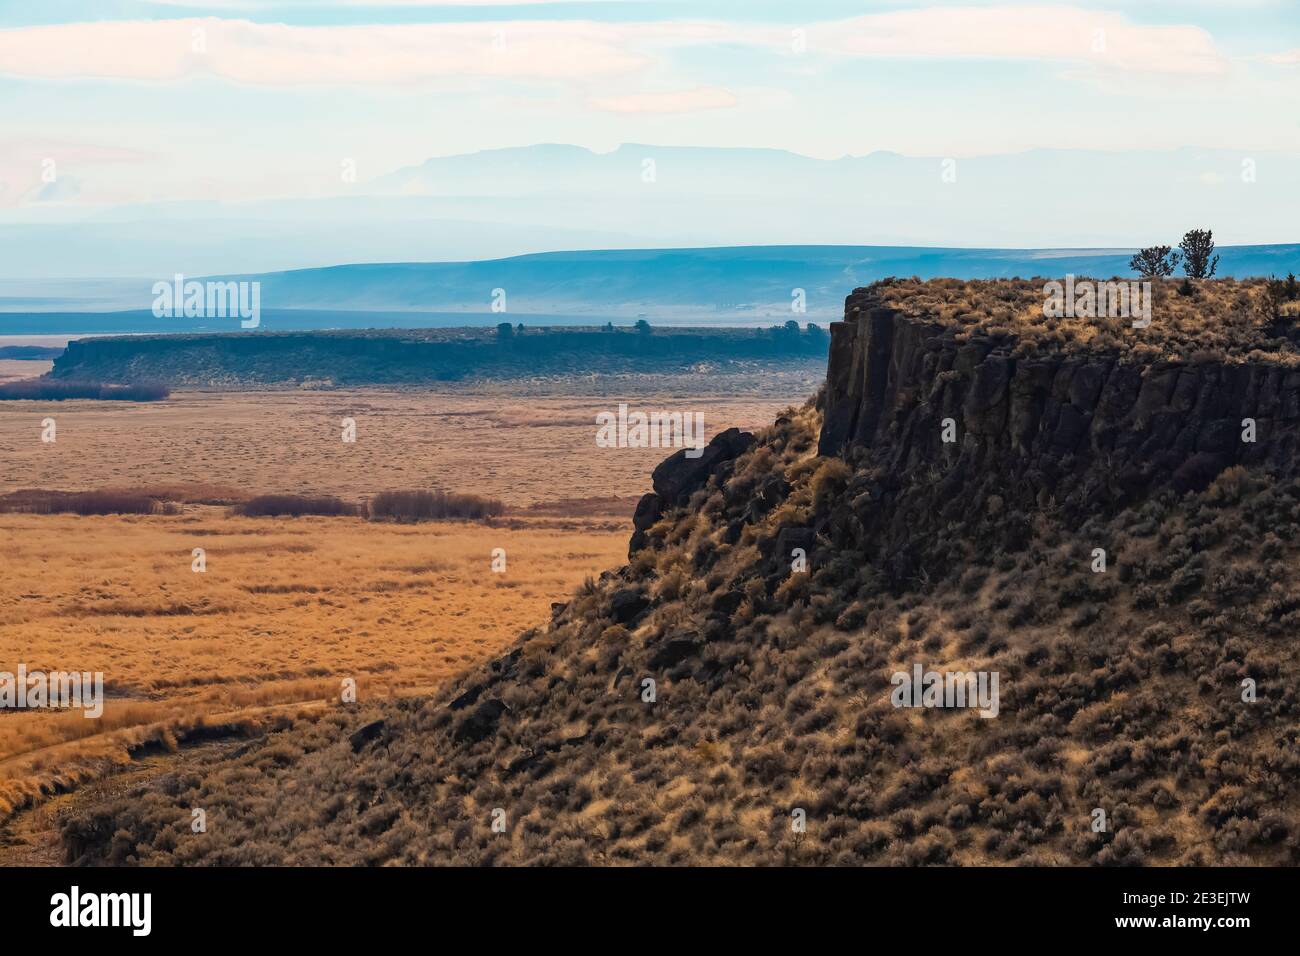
287 608
11 370
523 450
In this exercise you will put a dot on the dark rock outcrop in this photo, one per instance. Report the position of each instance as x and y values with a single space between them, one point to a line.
673 653
680 475
689 469
1082 432
364 735
481 722
1086 428
648 510
627 604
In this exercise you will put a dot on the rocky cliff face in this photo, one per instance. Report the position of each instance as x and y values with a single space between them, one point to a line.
1081 433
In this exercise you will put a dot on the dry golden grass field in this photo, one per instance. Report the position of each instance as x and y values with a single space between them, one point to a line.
11 370
520 449
287 608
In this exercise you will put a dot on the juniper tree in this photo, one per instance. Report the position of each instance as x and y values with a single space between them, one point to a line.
1276 294
1198 247
1155 262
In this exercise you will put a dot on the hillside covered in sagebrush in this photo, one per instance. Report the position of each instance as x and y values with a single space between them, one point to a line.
1103 531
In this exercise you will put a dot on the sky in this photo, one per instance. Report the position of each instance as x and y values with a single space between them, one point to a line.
105 102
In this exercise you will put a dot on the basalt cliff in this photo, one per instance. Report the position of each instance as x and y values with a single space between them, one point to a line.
1104 518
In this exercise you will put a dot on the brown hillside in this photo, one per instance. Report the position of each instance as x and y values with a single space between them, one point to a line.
1160 690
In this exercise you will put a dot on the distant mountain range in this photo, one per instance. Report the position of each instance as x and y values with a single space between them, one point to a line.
547 198
750 285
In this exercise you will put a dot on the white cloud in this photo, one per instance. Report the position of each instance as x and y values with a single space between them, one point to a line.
685 101
1022 33
1289 58
279 54
276 54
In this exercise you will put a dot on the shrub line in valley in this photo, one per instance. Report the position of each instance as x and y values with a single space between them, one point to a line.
385 506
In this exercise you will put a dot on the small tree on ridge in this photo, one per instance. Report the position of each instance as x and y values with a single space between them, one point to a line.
1155 262
1198 247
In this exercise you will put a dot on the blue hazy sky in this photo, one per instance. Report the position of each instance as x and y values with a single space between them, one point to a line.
109 102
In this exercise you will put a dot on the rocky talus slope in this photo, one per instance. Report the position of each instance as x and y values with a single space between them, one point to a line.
1097 534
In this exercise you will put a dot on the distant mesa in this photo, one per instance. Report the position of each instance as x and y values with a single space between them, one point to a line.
422 357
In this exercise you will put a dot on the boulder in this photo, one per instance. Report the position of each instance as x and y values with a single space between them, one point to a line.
673 653
366 734
680 474
467 698
727 602
648 510
627 604
481 723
